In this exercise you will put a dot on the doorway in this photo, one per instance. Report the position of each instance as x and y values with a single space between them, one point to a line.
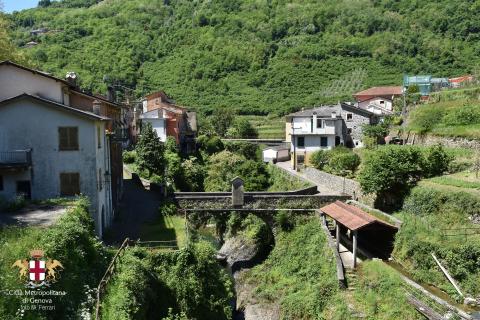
24 189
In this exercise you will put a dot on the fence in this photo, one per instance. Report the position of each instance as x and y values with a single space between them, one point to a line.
15 157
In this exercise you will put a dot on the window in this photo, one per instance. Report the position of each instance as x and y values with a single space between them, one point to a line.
323 141
349 116
301 142
100 180
1 183
67 138
99 137
349 130
69 184
320 123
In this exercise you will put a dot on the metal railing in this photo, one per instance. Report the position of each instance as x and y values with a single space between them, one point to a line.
16 157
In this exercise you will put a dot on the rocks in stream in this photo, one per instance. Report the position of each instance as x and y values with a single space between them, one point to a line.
252 309
239 253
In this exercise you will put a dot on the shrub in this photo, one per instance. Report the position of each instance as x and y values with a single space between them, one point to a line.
463 116
339 160
167 208
129 156
210 145
343 163
319 159
436 161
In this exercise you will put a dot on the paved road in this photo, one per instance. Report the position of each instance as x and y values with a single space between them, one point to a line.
33 215
321 188
138 206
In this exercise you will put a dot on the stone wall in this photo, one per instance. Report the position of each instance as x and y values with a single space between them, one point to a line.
331 181
452 142
260 202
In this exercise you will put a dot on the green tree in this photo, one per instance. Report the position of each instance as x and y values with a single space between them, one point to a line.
193 175
224 166
222 119
436 161
390 172
150 152
242 128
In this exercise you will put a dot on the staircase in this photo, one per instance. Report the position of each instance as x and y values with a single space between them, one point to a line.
352 279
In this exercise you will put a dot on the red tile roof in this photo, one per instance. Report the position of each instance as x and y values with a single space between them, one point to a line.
381 91
350 216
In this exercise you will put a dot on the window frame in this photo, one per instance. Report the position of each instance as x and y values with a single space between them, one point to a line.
68 141
302 145
321 142
322 123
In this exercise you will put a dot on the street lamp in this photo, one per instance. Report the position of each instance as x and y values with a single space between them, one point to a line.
294 146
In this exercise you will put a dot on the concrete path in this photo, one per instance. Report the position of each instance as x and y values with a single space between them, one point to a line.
33 215
138 207
286 166
347 257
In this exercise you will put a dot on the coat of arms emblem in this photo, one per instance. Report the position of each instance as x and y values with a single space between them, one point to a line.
38 271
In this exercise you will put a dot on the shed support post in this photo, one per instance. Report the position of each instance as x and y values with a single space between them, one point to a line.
355 235
324 219
337 235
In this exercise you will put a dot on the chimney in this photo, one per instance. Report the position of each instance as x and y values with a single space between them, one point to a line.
334 115
96 107
71 78
110 94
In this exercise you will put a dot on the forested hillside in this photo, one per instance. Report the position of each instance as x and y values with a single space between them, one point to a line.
255 56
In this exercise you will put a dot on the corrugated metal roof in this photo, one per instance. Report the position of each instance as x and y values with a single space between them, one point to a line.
350 216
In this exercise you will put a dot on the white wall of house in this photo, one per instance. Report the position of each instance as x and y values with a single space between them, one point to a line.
313 143
27 82
379 102
28 124
159 125
303 125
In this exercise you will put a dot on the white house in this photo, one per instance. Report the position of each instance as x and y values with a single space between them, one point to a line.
323 128
158 121
50 150
378 100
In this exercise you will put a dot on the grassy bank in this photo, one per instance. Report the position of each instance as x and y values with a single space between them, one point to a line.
71 241
184 284
299 273
434 222
452 118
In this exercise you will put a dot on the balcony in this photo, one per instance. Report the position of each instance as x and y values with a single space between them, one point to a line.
15 159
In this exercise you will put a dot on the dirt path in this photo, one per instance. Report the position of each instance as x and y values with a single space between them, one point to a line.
138 206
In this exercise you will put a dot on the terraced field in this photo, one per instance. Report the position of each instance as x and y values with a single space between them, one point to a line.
268 127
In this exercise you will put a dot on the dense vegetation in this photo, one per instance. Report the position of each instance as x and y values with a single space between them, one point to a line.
254 56
379 294
456 118
72 241
391 171
339 160
188 282
299 274
430 215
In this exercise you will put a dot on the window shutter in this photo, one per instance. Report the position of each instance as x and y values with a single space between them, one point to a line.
62 138
73 138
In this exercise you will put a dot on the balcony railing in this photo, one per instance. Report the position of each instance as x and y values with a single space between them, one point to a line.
15 158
